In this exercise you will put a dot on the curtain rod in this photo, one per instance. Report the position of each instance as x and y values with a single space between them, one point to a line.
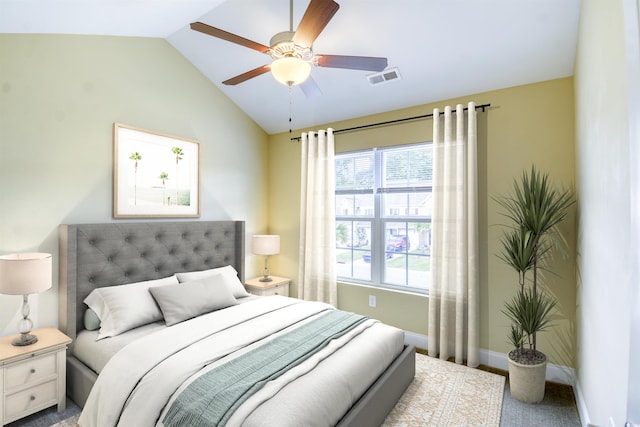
483 107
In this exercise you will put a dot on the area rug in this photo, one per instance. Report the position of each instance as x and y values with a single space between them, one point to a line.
445 394
442 394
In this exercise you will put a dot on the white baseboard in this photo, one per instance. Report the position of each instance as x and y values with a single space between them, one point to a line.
581 404
416 340
556 373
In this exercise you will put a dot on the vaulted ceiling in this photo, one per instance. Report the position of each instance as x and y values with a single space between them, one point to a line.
441 48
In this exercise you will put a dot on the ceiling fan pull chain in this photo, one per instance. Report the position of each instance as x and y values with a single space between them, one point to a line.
290 107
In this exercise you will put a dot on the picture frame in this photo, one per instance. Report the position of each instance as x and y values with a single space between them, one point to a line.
154 174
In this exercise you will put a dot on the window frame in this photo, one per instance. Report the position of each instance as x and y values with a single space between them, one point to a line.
379 221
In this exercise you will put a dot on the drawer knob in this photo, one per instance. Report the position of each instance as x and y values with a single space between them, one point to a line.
32 398
33 370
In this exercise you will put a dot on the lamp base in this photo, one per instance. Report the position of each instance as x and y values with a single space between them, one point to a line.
24 339
266 279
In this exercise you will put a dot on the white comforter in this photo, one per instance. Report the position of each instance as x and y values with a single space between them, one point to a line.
139 383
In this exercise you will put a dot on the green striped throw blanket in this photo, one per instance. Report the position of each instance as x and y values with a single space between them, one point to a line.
211 399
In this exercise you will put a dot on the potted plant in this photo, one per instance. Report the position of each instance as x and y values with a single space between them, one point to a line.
535 209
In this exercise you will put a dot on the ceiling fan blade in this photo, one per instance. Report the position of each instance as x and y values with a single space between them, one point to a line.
367 63
225 35
310 88
248 75
315 18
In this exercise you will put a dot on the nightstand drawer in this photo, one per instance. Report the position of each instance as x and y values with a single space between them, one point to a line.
276 286
277 290
30 371
30 400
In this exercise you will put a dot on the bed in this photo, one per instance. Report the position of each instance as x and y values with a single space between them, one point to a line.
107 256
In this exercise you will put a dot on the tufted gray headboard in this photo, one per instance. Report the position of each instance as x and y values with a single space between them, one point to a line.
96 255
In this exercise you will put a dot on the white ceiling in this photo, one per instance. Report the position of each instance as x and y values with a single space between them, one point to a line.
443 48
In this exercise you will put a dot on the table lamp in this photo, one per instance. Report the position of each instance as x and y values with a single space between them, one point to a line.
24 274
265 244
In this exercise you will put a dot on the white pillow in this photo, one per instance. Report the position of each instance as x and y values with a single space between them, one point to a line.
190 299
228 273
125 307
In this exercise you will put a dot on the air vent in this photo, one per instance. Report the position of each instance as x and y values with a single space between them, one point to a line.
384 76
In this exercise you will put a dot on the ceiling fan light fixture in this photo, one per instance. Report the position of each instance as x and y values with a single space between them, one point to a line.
290 70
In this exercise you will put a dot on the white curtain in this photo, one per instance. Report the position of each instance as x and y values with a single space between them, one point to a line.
316 275
453 291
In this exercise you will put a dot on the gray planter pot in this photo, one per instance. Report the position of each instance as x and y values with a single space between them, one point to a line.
527 381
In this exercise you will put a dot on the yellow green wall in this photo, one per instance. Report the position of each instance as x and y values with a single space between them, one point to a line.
525 125
59 98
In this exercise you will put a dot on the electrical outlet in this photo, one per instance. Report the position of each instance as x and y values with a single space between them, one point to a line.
372 301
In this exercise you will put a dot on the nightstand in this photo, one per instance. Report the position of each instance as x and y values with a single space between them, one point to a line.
33 377
277 286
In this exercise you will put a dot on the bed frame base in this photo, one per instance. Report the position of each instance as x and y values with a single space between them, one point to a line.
374 406
80 380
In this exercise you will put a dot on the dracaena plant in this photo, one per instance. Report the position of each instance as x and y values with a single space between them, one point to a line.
534 208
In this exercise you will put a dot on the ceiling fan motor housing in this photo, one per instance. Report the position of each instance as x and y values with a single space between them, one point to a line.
282 45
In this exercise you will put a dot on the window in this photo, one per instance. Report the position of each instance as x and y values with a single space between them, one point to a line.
383 217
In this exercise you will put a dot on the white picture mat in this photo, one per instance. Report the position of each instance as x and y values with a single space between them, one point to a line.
139 190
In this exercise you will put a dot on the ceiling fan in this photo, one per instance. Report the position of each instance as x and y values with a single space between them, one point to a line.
292 51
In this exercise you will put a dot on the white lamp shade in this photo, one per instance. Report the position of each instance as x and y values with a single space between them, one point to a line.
265 244
290 70
25 273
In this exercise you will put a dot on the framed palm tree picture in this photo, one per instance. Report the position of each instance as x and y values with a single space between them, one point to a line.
154 174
